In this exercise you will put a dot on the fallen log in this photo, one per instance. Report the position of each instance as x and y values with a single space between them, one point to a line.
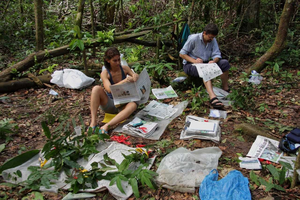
11 86
40 56
253 131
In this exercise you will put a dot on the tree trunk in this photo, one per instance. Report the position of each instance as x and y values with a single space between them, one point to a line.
33 58
79 13
191 12
122 15
296 167
93 24
279 43
39 27
12 86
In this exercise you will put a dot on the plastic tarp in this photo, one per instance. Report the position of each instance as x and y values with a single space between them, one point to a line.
183 170
162 123
234 186
71 78
114 151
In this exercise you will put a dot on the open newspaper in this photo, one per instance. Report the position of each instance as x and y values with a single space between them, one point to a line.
163 93
265 148
135 91
208 71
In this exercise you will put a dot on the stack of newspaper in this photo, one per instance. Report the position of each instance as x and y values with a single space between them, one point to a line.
160 110
140 127
201 128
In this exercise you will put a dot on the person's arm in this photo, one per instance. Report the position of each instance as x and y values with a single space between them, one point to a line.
190 59
187 49
107 84
129 72
215 54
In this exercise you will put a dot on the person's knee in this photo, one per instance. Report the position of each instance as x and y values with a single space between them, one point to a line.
224 65
132 106
97 89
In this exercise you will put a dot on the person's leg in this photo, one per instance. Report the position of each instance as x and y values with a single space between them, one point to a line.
98 97
224 66
124 114
191 70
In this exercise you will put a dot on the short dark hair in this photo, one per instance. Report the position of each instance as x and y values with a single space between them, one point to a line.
211 29
109 54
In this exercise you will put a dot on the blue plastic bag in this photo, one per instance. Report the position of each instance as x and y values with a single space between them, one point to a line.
234 186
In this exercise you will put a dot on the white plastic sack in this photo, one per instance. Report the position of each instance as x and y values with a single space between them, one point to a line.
183 170
255 78
71 78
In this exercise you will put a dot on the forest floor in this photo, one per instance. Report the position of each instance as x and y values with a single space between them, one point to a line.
276 107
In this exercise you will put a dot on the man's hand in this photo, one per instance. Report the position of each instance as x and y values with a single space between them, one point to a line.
211 61
198 60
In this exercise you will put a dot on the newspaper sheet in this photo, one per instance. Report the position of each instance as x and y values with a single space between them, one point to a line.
160 110
265 148
138 91
208 71
249 163
164 93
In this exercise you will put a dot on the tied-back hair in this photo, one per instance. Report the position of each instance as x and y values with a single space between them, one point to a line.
109 54
211 29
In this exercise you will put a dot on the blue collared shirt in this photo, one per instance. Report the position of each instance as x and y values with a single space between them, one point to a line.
196 48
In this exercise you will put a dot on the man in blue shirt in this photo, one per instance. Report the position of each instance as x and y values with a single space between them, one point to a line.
203 48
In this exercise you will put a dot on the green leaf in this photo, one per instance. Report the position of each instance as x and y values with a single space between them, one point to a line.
19 173
80 179
134 184
18 160
278 187
282 176
45 182
71 163
2 147
80 45
113 181
124 165
119 185
273 171
286 165
34 196
254 178
269 186
46 130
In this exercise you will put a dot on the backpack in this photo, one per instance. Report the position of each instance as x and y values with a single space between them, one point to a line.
290 142
183 36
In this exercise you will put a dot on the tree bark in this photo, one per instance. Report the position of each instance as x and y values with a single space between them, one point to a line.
12 86
191 12
93 24
296 167
79 13
39 26
33 58
280 40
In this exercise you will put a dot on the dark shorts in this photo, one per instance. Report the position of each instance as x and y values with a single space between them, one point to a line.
191 70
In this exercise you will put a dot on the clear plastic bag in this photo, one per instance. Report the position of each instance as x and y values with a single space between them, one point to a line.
234 186
183 170
255 78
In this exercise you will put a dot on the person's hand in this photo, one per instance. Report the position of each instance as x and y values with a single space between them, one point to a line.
198 60
211 61
129 79
135 77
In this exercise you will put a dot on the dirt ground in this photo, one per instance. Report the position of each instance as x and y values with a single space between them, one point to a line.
29 107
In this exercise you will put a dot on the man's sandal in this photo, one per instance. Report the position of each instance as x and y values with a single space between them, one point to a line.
217 104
